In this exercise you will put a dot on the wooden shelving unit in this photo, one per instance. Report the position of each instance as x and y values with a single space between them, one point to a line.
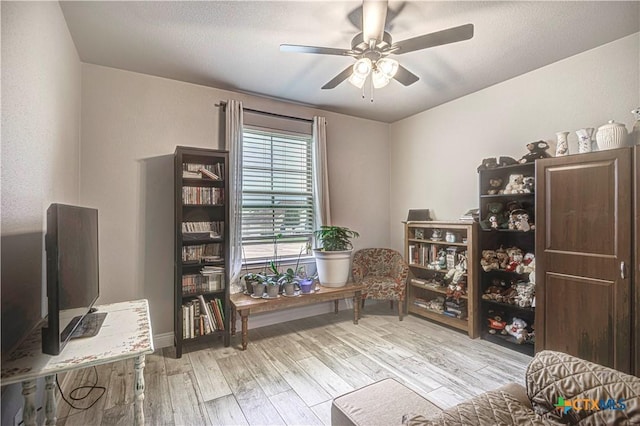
201 230
431 257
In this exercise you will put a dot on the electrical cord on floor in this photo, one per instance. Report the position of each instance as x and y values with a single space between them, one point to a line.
73 393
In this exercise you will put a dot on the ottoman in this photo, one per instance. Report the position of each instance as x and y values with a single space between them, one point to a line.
380 403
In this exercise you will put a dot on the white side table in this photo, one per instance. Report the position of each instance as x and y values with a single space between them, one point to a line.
125 333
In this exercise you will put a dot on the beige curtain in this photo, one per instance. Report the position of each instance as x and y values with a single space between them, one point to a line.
233 142
321 176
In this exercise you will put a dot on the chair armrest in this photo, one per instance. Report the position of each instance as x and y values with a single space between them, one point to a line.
359 271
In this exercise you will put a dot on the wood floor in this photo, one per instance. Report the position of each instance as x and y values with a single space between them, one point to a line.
291 371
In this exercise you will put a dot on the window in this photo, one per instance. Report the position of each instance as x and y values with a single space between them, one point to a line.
277 193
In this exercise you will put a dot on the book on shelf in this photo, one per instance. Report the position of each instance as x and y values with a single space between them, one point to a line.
207 309
209 174
217 311
199 171
202 195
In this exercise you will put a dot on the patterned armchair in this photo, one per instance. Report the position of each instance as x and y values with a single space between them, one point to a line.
384 273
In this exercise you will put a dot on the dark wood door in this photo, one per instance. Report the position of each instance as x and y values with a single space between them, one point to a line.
583 254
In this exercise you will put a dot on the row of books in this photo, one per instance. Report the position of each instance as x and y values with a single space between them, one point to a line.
202 252
448 306
434 256
201 317
203 171
210 278
202 195
215 227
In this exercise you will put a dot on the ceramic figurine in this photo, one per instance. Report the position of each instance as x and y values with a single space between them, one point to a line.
635 133
562 148
584 140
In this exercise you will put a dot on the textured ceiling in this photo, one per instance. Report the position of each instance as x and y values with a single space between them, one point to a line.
235 45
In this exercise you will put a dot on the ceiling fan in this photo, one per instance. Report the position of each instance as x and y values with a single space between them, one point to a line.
373 45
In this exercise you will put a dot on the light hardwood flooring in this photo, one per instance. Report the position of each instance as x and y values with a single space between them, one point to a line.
291 372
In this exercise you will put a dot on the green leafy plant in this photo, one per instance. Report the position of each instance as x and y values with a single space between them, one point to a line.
335 238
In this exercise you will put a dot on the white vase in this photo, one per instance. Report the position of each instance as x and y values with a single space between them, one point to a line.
562 148
611 135
584 140
333 267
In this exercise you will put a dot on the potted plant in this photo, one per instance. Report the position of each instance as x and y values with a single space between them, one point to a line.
333 257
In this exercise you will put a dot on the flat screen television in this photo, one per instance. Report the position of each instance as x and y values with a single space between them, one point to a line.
71 245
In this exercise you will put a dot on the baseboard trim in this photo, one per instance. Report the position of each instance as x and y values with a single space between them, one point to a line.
163 340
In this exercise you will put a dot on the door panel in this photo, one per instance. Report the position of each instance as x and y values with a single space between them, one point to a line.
583 220
587 316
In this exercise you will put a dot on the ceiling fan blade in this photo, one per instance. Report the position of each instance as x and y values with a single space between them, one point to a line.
374 14
345 74
405 76
451 35
295 48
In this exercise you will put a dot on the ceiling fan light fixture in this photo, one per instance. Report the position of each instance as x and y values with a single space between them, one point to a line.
388 67
357 80
363 67
379 79
361 70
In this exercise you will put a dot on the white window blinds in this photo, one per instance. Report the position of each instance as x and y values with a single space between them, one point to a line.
277 192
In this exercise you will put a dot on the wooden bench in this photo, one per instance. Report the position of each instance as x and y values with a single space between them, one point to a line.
246 304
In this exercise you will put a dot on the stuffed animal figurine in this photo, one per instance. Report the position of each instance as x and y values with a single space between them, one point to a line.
509 295
517 328
515 260
519 220
537 150
436 305
495 217
497 325
526 292
488 163
515 184
495 184
503 258
489 260
529 184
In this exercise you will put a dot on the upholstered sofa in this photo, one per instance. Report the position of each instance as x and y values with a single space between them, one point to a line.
560 389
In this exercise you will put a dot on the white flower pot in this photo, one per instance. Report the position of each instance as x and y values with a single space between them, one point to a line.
333 267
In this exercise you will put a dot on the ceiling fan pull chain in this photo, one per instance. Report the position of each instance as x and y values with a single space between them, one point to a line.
371 88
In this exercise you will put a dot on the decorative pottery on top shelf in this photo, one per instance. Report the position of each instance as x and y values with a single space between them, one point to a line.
635 133
562 148
611 135
584 140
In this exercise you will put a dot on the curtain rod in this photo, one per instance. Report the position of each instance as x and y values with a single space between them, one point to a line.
223 104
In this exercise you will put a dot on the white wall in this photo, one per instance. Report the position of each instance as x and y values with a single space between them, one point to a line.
40 153
434 154
131 124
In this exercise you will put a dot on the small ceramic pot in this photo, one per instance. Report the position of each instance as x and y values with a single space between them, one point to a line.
273 290
289 289
306 286
611 135
258 289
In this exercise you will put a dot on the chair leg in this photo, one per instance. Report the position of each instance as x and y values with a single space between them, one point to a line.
362 303
391 304
400 309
